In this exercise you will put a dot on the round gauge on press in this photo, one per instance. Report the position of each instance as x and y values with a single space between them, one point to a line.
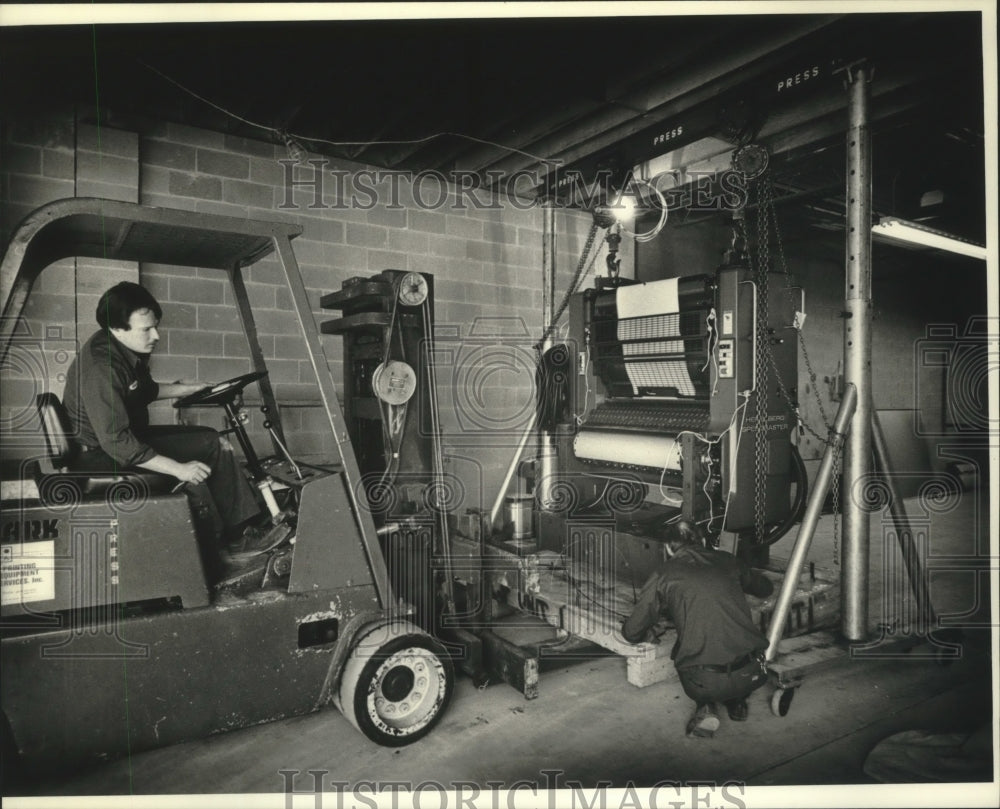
413 289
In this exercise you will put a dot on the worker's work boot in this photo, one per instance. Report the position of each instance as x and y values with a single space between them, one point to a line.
704 723
256 540
737 709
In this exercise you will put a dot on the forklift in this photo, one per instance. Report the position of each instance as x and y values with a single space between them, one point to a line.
116 635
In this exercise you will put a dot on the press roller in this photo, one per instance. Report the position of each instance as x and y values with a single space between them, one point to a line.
665 388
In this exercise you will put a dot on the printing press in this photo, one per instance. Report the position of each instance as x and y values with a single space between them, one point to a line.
671 400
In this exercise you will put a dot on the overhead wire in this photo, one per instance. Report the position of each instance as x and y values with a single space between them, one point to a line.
713 351
393 142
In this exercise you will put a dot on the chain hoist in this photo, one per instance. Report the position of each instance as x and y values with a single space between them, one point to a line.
577 275
835 442
761 352
783 269
835 499
767 221
613 260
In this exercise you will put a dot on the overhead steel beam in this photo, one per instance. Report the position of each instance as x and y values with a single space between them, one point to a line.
913 83
894 101
520 128
669 96
633 104
759 84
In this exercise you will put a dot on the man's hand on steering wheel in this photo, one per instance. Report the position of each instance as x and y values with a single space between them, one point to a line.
192 385
221 392
185 387
181 387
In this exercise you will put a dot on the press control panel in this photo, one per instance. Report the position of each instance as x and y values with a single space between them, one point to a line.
725 355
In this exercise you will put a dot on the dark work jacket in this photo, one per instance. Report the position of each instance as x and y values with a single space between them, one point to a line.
108 391
700 591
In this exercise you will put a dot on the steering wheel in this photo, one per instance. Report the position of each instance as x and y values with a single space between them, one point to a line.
222 393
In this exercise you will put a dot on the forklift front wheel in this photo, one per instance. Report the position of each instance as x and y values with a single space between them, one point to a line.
396 684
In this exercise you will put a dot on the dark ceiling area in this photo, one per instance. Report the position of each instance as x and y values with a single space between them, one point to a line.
532 95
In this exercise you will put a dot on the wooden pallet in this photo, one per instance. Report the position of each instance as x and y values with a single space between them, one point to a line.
594 611
595 614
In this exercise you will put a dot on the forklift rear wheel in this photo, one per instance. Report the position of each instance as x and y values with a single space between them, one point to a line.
396 684
781 701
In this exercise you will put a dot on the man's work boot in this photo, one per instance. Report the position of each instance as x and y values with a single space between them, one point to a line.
737 709
255 541
704 723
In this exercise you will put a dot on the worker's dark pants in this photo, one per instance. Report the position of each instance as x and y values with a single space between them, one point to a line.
225 500
716 685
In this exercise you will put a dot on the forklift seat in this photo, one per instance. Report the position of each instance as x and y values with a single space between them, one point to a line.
57 431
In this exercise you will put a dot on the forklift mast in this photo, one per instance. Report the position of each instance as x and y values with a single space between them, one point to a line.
387 328
119 571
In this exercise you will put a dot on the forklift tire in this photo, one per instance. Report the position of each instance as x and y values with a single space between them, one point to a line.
395 684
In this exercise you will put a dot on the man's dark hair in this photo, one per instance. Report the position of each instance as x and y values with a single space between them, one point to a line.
118 303
679 534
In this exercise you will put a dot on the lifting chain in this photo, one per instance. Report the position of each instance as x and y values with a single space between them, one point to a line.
783 269
613 260
759 270
835 442
835 491
580 267
766 222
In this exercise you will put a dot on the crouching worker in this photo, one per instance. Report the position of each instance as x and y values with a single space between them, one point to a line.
719 651
109 387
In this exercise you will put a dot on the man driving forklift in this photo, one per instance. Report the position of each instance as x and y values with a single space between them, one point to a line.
109 387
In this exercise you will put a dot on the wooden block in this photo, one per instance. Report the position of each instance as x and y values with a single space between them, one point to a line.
641 672
605 633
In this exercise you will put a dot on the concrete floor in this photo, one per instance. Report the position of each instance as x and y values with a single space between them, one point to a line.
588 725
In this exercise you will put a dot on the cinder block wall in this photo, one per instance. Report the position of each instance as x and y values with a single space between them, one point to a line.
43 159
486 265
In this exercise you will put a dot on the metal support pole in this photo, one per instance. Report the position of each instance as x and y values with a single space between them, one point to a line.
548 268
546 449
926 616
807 529
857 356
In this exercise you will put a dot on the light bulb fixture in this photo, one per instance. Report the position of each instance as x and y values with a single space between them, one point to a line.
623 208
295 149
915 234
